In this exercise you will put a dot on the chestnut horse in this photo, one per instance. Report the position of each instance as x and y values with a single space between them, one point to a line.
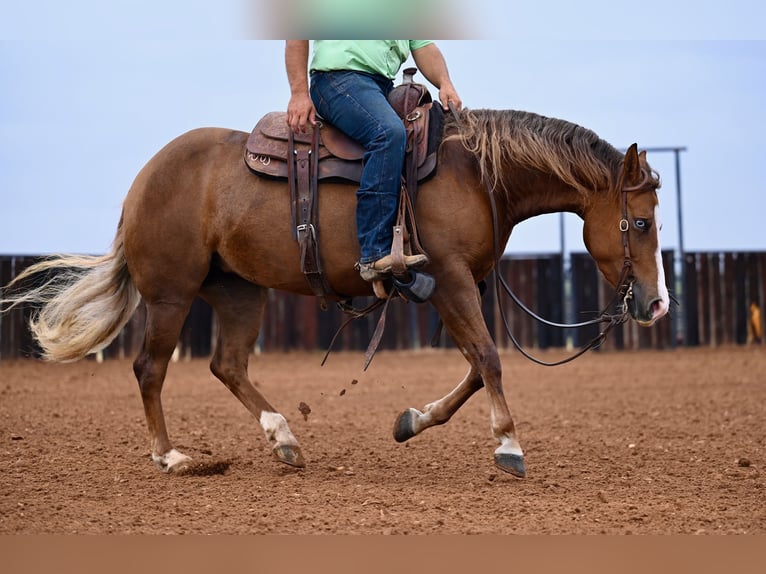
196 221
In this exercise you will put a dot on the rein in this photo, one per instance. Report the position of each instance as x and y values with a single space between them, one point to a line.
623 291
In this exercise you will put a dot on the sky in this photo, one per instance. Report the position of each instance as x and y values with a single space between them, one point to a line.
89 91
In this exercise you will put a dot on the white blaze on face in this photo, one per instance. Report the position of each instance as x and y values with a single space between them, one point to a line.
275 427
662 289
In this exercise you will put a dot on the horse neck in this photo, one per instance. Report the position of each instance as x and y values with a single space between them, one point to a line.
529 194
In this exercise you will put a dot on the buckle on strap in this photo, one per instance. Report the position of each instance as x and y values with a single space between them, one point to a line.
304 228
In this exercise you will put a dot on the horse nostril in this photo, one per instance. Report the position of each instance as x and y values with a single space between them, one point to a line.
657 308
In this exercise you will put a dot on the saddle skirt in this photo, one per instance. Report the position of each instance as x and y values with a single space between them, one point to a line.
340 157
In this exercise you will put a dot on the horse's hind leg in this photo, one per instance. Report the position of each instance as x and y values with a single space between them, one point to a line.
163 326
239 307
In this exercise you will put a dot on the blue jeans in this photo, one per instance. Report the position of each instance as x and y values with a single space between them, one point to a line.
357 104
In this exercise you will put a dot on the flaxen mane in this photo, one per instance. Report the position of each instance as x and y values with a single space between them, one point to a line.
510 138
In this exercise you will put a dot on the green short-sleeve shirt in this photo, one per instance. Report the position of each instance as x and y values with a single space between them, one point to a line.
383 57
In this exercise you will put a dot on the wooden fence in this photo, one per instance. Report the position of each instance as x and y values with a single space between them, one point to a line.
718 289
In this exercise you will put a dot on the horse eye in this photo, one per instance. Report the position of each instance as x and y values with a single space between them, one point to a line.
641 224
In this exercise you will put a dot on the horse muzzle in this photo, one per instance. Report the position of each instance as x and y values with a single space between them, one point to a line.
646 308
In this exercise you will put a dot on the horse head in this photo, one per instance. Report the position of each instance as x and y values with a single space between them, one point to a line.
621 232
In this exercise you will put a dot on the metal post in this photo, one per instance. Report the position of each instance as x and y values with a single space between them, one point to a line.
678 200
679 330
681 253
566 288
562 243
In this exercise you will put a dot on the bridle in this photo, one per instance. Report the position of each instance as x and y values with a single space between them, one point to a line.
623 289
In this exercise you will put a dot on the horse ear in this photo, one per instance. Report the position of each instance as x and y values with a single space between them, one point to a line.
632 166
642 156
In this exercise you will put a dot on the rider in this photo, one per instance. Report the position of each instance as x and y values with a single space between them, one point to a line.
350 82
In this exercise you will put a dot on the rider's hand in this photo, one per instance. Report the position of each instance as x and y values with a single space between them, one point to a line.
300 111
448 95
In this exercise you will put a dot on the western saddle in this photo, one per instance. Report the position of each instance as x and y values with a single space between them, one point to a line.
304 159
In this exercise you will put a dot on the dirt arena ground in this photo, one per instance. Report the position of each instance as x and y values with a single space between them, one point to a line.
618 443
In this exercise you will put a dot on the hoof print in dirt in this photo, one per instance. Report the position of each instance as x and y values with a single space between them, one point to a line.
206 468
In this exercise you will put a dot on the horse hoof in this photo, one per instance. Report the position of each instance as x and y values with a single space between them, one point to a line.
172 461
512 464
404 427
290 455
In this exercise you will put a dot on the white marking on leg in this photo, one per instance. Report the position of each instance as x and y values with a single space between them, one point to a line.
276 429
509 445
420 421
171 460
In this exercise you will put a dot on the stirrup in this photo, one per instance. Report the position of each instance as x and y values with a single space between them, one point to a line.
368 272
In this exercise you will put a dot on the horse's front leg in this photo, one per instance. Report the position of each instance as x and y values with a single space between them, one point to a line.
460 309
412 421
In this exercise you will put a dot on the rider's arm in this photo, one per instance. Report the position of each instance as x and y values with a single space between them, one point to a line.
300 109
430 62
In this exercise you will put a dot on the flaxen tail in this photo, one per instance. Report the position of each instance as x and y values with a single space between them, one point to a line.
84 301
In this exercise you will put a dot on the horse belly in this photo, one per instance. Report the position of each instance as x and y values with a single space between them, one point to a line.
259 243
